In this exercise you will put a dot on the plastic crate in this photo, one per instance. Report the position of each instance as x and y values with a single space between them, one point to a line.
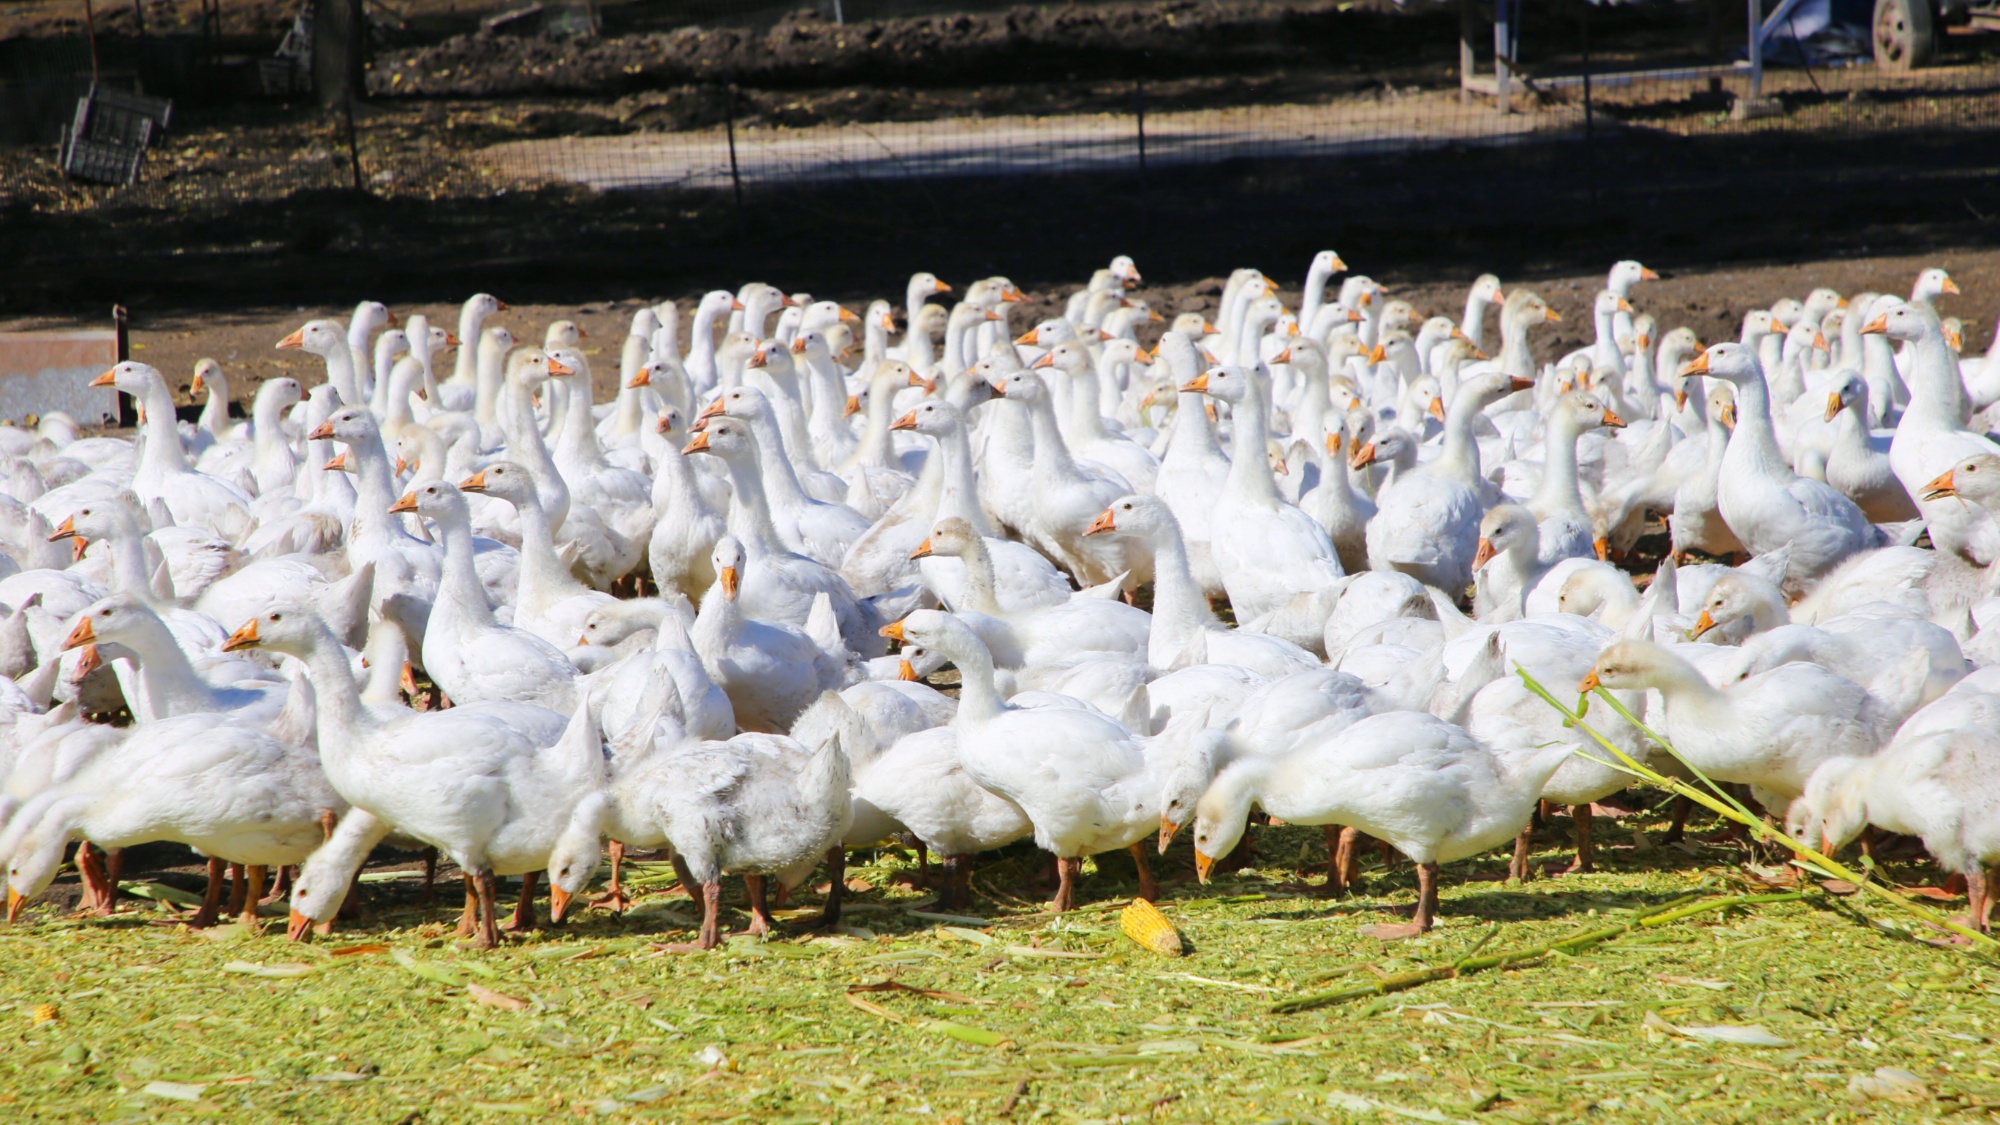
109 135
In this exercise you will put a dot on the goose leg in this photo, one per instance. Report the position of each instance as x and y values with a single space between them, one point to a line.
430 876
237 888
1149 888
1427 895
760 914
1977 895
1677 831
97 886
1067 870
948 891
836 885
614 896
1345 861
1583 857
468 919
489 910
923 864
1336 879
1519 870
711 906
1984 919
211 899
114 870
254 894
281 887
524 908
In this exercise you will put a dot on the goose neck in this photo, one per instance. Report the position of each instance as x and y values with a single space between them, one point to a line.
979 697
163 455
1754 442
342 721
958 495
1249 462
750 513
1179 608
982 594
459 579
543 576
1559 487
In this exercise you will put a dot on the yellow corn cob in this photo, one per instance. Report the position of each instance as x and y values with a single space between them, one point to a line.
45 1013
1143 923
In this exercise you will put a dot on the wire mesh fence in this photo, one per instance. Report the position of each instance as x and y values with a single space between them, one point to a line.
712 95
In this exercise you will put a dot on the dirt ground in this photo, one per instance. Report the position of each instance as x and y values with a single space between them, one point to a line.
1712 302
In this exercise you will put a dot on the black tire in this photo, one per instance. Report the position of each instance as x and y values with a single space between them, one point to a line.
1904 34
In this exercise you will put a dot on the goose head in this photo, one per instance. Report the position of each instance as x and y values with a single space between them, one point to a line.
1486 287
1803 336
505 479
1326 261
1609 304
1230 384
283 393
1736 363
1193 325
435 500
812 344
479 306
137 379
727 438
1633 665
1488 387
119 619
1932 284
1069 357
101 519
348 425
728 558
1831 812
932 418
320 337
1977 478
737 402
1020 386
1508 529
1849 392
532 367
1189 772
1736 596
1721 406
391 344
1393 447
1787 311
209 377
1126 271
1757 324
1902 321
936 632
1526 308
1140 517
294 629
1624 275
951 537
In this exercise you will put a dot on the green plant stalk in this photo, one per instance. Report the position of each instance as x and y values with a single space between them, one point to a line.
1661 915
1719 802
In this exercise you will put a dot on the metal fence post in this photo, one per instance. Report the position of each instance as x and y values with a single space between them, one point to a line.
729 130
1503 52
1756 22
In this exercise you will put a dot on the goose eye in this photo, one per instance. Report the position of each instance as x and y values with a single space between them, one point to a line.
277 617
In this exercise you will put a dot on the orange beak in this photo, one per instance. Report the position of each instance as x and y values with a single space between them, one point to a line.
1484 554
1029 337
402 466
1283 356
82 635
1046 360
1648 275
923 550
1680 400
906 422
1553 316
14 903
559 901
1624 305
1167 830
1949 286
906 671
1696 366
408 503
337 463
321 432
451 341
1516 383
710 411
1703 623
1876 327
298 928
1104 522
1729 416
852 407
916 380
246 637
89 660
1589 683
1436 409
1941 487
758 358
799 343
641 378
1362 456
1333 445
893 631
67 529
408 680
729 582
1612 419
294 341
1833 405
1203 862
699 444
558 367
1377 354
109 378
474 483
197 386
1819 342
1197 385
1602 547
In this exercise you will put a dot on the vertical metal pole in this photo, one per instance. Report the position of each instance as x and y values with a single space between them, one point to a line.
121 326
1139 92
90 32
1468 16
353 148
729 127
838 16
1756 29
1503 52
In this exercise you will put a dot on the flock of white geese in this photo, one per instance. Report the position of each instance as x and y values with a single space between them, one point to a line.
460 605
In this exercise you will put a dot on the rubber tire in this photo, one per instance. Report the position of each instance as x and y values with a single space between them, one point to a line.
1904 34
